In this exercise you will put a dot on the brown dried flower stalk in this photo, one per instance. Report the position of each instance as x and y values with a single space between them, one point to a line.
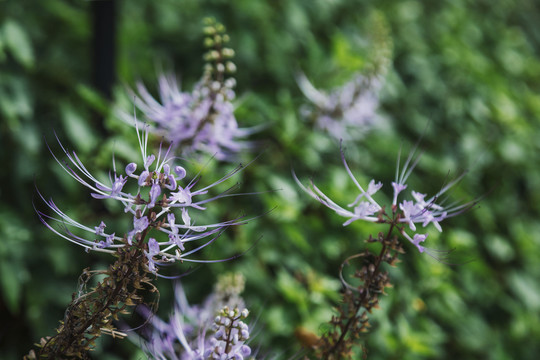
357 302
91 314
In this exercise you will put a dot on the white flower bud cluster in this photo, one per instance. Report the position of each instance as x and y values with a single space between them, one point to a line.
218 61
230 336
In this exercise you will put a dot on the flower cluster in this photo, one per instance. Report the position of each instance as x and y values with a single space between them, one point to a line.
201 120
230 334
189 334
158 198
346 112
417 210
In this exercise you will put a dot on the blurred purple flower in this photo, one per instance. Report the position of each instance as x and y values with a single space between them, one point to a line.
202 120
346 112
213 330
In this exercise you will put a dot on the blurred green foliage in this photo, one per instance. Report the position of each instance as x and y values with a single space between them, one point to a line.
466 74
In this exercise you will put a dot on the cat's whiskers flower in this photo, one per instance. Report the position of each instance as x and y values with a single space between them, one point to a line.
409 212
151 196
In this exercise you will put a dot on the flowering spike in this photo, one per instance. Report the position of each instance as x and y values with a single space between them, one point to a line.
187 334
202 120
167 193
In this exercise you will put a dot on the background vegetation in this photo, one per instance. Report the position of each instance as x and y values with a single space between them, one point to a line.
464 73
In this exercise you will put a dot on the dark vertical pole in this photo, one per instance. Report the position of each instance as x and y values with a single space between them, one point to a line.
104 47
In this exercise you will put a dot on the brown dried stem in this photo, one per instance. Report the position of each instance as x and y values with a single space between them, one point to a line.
92 314
351 321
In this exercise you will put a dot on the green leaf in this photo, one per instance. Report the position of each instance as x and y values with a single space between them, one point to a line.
77 128
18 43
11 286
344 54
526 288
93 98
2 49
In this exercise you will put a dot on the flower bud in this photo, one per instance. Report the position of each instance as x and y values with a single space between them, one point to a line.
245 313
172 183
130 168
180 172
230 67
227 52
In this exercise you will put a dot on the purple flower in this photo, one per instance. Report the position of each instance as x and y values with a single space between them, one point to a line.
100 230
199 121
139 225
346 112
109 240
155 191
114 190
200 331
166 192
153 249
412 212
